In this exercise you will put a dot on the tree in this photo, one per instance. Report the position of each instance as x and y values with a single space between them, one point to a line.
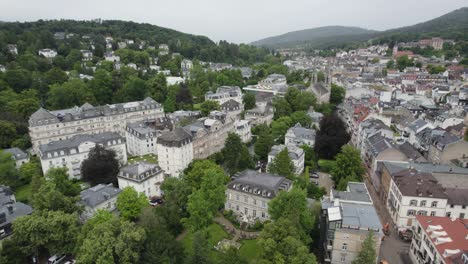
337 94
282 165
199 253
367 255
299 100
403 62
331 136
101 85
9 175
391 64
29 169
302 118
69 94
279 127
231 256
56 76
59 177
309 155
49 198
263 145
18 79
236 155
7 133
101 166
320 77
134 89
249 101
157 87
282 107
196 172
208 106
55 231
348 167
130 203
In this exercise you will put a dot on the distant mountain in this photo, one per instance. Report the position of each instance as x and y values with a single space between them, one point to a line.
318 36
453 25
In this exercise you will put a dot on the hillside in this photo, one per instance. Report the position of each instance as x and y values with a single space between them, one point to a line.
316 36
453 25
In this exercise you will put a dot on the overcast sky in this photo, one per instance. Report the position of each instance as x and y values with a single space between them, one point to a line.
236 20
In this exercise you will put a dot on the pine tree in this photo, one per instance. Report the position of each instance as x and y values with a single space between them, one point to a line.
236 154
282 165
367 255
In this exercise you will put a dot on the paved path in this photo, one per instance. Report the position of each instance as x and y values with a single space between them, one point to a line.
231 229
182 235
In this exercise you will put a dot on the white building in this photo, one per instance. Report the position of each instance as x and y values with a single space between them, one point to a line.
48 53
99 197
171 80
71 152
19 156
186 66
243 130
298 136
296 154
143 177
86 55
224 94
110 56
141 136
46 126
175 151
273 83
163 49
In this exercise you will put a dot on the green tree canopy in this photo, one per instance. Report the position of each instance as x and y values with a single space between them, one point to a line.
249 101
236 155
263 144
101 166
367 254
349 167
337 94
282 165
130 203
208 106
69 94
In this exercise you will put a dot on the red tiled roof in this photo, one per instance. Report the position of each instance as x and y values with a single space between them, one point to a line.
456 229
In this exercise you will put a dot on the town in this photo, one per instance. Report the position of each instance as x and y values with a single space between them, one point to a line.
117 148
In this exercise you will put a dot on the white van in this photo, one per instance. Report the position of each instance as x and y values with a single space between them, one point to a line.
56 259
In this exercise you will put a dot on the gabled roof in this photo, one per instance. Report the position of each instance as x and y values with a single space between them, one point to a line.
98 194
259 184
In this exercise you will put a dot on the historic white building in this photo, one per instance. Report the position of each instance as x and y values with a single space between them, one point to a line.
141 136
175 151
243 130
99 197
71 152
224 94
19 156
47 126
48 53
296 154
143 177
298 136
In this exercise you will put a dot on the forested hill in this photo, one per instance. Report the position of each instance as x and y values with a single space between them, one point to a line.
320 36
32 36
453 25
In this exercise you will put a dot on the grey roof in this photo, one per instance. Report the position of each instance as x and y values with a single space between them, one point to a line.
230 105
360 215
319 88
414 183
378 143
98 194
259 184
9 212
447 138
394 167
175 138
294 152
411 152
139 171
417 124
356 192
302 132
5 195
144 128
457 196
43 116
67 145
16 153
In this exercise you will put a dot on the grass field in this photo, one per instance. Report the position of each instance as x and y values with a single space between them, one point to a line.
23 193
151 158
215 232
250 250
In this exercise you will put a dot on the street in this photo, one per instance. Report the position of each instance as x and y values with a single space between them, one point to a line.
393 249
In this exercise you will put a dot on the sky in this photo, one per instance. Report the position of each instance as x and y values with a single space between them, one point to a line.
239 21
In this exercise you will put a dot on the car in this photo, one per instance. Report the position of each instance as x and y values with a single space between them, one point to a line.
155 201
56 259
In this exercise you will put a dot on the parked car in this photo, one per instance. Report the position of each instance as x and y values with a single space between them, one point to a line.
156 201
56 259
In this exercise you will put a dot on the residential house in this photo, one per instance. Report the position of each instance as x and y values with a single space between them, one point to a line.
144 177
141 136
224 94
298 136
447 147
99 197
19 156
10 210
296 154
48 53
249 193
175 151
243 129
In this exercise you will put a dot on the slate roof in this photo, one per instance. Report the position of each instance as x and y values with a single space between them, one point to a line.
9 212
16 153
447 138
175 138
294 152
139 171
411 152
230 105
414 183
457 196
356 192
319 88
259 184
5 195
360 215
143 128
301 132
98 194
417 124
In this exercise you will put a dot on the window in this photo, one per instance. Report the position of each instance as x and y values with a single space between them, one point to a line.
344 246
451 206
246 199
237 207
254 202
254 213
411 213
423 203
422 213
434 204
413 203
433 213
343 258
246 210
263 204
462 215
463 206
263 214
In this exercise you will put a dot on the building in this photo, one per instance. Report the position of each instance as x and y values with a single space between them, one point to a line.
274 84
447 147
86 55
441 240
141 136
224 94
345 221
18 155
321 90
186 66
243 129
48 53
71 152
298 136
232 108
46 126
249 193
296 154
10 209
175 151
262 113
143 177
163 49
99 197
110 56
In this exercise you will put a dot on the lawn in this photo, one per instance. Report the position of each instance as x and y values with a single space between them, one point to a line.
23 193
250 250
326 165
151 158
216 233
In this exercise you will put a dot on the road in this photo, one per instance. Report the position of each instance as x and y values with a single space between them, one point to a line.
393 249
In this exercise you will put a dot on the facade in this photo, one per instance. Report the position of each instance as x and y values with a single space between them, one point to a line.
47 126
99 197
440 240
249 193
275 84
243 130
232 108
71 152
346 220
48 53
298 136
296 154
175 151
143 177
18 155
224 94
186 66
141 136
10 209
261 114
447 147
